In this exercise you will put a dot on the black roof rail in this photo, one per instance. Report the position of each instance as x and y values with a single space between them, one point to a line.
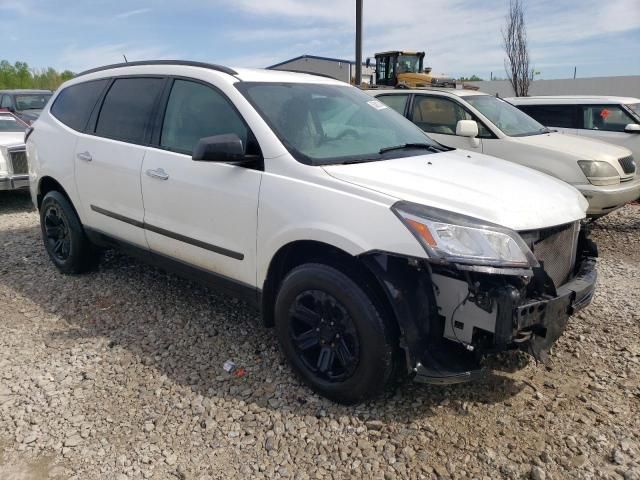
188 63
302 71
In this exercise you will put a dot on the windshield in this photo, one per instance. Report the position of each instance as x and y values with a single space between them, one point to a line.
512 122
8 123
32 101
635 108
408 64
328 124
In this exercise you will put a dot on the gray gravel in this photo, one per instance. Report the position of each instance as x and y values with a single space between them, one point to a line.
118 374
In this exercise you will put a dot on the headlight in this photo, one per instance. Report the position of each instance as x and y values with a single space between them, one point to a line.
457 238
599 173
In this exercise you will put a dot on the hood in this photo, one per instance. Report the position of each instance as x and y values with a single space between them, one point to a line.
472 184
579 147
11 138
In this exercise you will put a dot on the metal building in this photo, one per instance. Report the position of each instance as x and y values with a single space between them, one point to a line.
337 68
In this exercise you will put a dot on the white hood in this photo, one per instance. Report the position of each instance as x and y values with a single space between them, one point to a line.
11 138
472 184
581 148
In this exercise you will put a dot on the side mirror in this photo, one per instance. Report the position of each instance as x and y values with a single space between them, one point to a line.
467 128
368 62
632 128
219 148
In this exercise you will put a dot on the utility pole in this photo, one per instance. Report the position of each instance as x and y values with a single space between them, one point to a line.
359 42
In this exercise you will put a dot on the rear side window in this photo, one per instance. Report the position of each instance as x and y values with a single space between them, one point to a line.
396 102
74 104
195 111
561 116
127 108
609 118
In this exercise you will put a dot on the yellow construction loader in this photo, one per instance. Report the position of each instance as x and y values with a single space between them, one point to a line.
402 69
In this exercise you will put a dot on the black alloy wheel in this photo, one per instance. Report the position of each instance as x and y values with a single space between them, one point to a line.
57 235
324 335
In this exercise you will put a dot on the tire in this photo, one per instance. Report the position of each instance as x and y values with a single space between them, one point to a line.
333 334
64 239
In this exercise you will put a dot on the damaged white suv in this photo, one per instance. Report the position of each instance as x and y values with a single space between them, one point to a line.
374 251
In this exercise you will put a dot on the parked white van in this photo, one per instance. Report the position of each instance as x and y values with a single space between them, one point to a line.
610 119
604 173
375 252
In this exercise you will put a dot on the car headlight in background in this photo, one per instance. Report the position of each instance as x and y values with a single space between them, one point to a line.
452 237
3 159
599 173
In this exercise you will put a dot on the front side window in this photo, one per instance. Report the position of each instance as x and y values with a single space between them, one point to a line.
9 123
74 104
608 118
440 115
195 111
561 116
396 102
326 124
32 101
511 121
127 107
635 108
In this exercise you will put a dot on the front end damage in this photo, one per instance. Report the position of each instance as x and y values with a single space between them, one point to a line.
451 314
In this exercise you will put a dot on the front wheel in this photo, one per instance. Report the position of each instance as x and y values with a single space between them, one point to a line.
334 335
64 239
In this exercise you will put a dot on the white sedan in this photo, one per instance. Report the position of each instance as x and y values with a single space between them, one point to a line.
14 169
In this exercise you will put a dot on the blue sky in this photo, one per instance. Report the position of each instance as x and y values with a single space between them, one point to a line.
461 37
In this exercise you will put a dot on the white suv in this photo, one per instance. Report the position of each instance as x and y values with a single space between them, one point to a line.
610 119
604 173
373 251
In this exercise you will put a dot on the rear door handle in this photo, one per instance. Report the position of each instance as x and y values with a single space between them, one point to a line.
158 173
84 156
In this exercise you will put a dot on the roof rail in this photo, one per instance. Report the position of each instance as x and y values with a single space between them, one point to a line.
302 71
210 66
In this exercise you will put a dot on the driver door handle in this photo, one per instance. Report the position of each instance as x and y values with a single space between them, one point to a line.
84 156
158 173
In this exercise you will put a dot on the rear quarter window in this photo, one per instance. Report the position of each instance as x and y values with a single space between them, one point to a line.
74 104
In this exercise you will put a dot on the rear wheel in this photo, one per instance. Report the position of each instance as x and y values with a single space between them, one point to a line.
64 239
334 335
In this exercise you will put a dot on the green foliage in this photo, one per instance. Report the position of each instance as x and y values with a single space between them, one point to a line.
472 78
19 75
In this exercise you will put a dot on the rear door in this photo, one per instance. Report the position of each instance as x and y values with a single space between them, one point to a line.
202 213
109 158
563 118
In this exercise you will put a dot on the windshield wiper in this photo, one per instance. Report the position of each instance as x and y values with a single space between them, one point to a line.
404 146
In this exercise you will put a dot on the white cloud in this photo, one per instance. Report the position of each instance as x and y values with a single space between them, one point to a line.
131 13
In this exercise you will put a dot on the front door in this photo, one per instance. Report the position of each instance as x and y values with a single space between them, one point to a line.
202 213
607 123
438 117
109 158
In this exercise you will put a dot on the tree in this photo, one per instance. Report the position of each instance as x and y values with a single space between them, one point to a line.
472 78
19 75
516 63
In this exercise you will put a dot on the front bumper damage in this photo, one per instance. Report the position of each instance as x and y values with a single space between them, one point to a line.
457 315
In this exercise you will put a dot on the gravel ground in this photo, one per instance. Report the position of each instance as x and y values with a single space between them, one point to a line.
118 374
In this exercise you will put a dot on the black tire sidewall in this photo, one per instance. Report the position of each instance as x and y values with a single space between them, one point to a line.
80 248
375 367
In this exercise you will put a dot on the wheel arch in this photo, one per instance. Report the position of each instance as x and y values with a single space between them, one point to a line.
48 184
300 252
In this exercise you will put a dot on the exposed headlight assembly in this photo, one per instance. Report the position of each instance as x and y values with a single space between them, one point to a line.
451 237
599 173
